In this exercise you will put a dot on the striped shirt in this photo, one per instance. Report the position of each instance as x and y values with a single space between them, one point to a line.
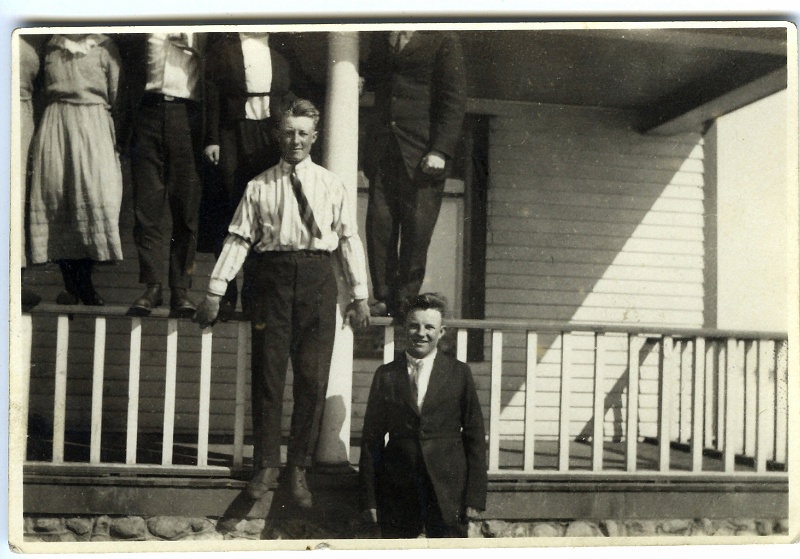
268 219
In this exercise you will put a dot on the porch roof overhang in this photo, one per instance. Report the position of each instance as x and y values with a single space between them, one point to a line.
673 80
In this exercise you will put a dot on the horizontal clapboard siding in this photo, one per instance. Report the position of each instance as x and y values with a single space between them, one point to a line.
591 222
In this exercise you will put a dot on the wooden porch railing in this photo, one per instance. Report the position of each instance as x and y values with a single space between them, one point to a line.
731 386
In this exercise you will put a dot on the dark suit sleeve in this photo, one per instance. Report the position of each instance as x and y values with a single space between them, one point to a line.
211 90
372 441
371 67
448 96
132 51
474 439
282 95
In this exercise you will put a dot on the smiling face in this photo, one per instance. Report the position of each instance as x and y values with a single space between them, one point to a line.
297 134
423 329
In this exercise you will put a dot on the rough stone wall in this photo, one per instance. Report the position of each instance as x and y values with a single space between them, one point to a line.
173 528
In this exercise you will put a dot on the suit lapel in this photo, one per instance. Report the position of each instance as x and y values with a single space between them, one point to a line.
236 60
439 374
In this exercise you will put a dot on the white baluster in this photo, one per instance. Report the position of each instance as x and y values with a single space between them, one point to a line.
204 408
699 375
388 343
666 374
494 406
169 391
60 396
766 404
781 402
241 376
530 401
461 345
635 344
563 409
598 415
134 368
734 401
751 398
97 389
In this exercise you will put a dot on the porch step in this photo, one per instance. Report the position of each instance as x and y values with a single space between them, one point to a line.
511 497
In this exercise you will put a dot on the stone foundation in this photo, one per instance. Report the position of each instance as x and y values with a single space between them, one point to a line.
175 528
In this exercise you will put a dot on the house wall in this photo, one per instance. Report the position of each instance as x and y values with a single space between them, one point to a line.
753 212
590 222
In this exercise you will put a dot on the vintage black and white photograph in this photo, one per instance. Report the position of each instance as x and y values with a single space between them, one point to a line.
377 284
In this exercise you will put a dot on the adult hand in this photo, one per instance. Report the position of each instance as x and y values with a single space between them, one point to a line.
357 314
370 516
432 163
212 153
206 313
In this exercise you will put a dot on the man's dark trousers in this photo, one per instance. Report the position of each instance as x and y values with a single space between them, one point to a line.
401 207
165 173
291 300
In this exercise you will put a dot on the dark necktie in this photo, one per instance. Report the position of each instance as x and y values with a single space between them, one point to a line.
306 213
414 377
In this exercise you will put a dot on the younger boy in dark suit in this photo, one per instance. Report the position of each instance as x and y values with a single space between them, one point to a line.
431 474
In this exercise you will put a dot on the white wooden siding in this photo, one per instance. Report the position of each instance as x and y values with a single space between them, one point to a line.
591 222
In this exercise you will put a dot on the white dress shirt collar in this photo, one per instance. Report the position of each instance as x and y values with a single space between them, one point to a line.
287 167
423 374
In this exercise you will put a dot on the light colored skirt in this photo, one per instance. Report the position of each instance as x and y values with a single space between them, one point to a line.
76 186
26 135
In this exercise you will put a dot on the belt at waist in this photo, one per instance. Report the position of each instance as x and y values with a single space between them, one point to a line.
153 98
424 437
290 254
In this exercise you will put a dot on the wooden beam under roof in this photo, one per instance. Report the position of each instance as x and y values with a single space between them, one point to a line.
696 118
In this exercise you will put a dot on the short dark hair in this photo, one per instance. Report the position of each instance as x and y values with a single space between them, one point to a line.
424 301
302 107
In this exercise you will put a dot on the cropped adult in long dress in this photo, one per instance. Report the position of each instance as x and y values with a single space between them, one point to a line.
76 186
29 66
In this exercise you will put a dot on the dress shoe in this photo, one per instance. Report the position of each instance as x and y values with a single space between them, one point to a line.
378 308
29 299
299 487
180 305
67 298
259 484
86 291
149 300
91 298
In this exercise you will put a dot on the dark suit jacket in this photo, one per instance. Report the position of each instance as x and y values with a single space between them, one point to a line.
225 87
420 96
446 437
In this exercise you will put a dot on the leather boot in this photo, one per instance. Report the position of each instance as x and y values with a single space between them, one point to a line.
86 290
180 305
298 486
260 483
69 273
149 300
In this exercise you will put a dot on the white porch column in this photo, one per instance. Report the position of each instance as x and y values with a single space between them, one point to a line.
340 154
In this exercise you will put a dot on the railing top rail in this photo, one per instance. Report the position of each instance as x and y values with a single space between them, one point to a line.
478 324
